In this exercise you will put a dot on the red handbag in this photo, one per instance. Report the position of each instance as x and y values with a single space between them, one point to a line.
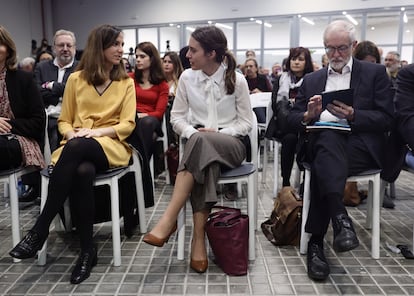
228 232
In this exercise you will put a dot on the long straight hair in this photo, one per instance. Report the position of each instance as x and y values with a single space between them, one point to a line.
6 39
156 71
93 60
177 66
212 38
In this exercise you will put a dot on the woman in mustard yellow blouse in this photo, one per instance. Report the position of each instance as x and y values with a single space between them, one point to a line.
98 114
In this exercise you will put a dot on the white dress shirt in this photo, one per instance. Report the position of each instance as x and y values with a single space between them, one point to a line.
202 100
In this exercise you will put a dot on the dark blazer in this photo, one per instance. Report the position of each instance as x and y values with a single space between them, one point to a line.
404 104
27 106
47 71
404 125
373 104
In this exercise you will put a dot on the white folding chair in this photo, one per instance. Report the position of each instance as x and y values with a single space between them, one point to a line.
110 178
246 173
11 177
373 207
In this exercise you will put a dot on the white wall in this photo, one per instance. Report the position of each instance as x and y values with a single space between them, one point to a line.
22 18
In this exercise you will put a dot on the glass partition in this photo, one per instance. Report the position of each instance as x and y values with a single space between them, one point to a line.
169 39
148 34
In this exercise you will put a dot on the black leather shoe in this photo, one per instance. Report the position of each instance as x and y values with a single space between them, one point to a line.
29 195
345 238
318 267
83 268
28 246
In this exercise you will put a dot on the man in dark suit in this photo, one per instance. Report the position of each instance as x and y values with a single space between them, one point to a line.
404 104
51 77
336 155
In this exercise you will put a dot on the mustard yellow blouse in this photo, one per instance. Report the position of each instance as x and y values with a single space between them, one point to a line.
83 107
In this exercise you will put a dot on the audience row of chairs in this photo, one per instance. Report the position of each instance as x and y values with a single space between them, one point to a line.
247 173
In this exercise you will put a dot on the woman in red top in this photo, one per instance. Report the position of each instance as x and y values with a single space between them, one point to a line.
152 96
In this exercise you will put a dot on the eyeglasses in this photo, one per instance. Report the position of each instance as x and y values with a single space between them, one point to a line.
62 45
340 49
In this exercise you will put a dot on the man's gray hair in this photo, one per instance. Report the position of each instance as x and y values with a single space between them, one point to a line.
64 32
340 25
396 55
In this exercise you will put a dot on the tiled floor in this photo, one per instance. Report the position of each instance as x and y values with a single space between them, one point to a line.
148 270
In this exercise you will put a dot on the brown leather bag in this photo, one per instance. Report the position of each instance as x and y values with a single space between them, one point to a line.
351 194
284 225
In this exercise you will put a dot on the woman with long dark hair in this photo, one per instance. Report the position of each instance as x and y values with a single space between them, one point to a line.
298 64
220 116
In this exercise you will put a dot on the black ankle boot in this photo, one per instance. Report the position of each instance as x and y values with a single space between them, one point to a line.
28 246
82 270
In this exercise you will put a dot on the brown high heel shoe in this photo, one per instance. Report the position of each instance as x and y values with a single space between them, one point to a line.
199 266
156 241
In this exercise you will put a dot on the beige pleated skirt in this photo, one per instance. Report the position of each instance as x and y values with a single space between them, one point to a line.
205 155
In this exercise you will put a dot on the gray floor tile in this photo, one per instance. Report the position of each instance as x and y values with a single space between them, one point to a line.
148 270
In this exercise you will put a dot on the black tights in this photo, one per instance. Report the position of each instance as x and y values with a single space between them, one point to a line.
287 156
147 129
73 176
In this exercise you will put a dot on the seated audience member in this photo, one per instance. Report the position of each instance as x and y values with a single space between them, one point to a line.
151 90
183 57
276 71
367 51
392 63
27 64
324 60
22 116
44 55
172 69
127 65
257 83
404 105
285 87
218 98
51 77
44 46
333 155
250 54
98 111
403 63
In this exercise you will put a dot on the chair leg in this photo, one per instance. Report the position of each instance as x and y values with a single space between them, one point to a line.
252 212
376 208
181 233
304 238
14 211
275 168
392 190
116 232
265 161
140 201
42 254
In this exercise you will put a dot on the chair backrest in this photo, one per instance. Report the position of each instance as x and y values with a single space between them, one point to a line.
254 140
260 99
46 149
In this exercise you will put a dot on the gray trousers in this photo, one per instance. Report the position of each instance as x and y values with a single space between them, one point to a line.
205 155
